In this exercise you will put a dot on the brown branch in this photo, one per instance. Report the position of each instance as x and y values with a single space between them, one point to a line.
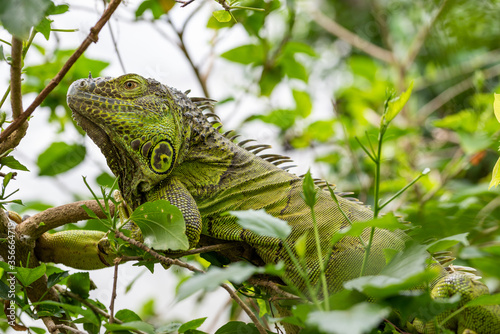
113 293
419 40
202 79
69 329
91 38
245 308
347 36
453 91
16 97
163 259
58 216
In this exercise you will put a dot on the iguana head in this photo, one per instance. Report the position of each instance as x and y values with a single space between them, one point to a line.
139 125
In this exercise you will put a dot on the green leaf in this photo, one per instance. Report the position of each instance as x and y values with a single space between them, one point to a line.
60 157
303 104
237 273
388 222
88 315
359 319
56 278
246 54
395 105
309 192
237 327
2 57
105 180
127 315
222 15
162 225
44 27
282 118
79 283
19 16
485 300
269 79
293 69
192 324
496 107
495 175
448 242
26 276
262 223
89 212
153 5
12 163
293 47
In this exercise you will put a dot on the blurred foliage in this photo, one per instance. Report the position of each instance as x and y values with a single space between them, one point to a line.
290 61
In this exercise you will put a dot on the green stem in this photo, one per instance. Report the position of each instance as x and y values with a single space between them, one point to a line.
304 275
5 95
404 189
376 196
320 260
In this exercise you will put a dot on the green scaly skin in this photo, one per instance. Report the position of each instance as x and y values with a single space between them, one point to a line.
161 146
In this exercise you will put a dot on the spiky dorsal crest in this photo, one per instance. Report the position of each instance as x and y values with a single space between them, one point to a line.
207 105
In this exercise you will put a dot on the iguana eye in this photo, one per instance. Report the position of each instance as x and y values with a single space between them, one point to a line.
130 84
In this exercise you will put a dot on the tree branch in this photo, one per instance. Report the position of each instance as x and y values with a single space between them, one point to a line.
59 216
453 91
91 38
347 36
419 40
16 97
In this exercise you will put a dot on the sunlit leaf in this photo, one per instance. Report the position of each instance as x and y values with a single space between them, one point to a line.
192 324
261 223
395 105
222 15
246 54
496 107
495 177
162 225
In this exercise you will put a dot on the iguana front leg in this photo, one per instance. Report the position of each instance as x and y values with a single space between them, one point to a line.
176 193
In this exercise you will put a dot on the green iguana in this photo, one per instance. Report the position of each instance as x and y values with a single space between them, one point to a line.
162 145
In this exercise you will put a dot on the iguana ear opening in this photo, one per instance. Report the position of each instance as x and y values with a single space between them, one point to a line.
161 157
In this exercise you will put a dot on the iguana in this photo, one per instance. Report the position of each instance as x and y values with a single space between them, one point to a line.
161 144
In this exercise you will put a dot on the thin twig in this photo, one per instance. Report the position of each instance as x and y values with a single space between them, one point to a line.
182 46
91 38
69 329
163 259
351 38
115 45
245 308
113 294
453 91
419 40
